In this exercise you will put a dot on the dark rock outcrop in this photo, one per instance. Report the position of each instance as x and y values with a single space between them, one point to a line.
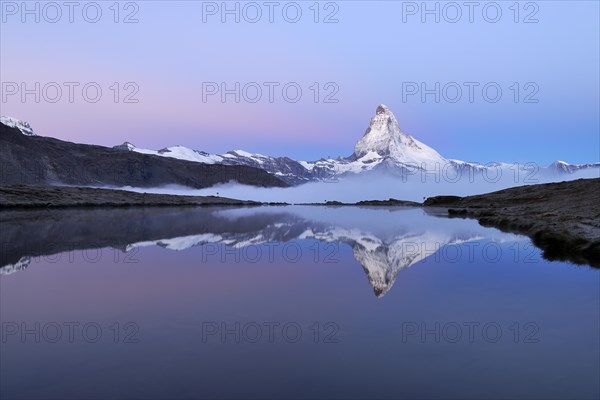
22 196
563 219
38 160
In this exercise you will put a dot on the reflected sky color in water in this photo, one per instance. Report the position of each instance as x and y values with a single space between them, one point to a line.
377 295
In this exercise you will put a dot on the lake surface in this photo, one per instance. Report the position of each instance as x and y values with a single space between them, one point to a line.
288 302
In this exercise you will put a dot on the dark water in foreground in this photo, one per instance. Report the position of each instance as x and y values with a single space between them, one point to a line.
288 302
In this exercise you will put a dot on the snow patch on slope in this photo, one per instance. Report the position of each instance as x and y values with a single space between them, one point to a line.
23 126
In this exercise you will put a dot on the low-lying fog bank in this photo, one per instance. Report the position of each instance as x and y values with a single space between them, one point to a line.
373 187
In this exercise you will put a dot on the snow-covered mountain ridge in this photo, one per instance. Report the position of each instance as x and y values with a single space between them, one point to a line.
23 126
384 147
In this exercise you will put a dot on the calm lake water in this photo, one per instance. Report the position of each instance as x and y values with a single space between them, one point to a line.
288 302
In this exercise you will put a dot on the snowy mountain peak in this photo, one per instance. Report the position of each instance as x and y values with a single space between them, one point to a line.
23 126
384 137
125 146
382 109
384 148
382 133
564 167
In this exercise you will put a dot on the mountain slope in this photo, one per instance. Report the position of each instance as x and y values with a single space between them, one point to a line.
32 159
23 126
566 168
383 148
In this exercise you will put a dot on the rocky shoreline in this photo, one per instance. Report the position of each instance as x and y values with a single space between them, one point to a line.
367 203
24 196
563 219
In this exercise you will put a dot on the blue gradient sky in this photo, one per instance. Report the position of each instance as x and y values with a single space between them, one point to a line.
368 54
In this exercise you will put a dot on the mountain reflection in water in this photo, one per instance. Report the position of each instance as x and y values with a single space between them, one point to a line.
384 241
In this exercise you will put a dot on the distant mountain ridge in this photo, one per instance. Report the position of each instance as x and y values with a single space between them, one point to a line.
383 147
23 126
37 160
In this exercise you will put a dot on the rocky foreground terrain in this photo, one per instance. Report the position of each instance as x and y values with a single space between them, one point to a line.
22 196
563 219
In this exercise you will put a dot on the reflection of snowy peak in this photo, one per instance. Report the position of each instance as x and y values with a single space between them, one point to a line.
383 263
178 243
381 258
18 266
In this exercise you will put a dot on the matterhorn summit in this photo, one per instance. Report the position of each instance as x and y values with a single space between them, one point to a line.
383 149
384 137
382 133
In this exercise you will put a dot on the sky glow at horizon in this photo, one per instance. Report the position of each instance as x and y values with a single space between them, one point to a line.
170 55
